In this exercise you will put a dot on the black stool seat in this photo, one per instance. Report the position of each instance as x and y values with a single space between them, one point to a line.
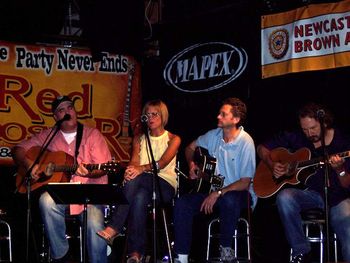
313 214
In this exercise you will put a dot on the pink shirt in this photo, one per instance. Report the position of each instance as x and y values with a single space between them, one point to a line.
93 150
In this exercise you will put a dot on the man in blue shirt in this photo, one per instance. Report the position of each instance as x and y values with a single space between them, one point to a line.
234 151
291 201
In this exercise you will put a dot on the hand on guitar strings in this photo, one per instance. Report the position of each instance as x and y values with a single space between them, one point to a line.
35 173
194 171
280 169
336 162
82 171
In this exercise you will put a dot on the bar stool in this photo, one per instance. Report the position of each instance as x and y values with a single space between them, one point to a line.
74 231
314 222
241 232
5 235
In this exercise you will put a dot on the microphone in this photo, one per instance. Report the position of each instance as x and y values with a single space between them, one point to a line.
144 118
320 113
66 117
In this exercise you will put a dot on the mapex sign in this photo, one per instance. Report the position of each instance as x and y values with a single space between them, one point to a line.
205 67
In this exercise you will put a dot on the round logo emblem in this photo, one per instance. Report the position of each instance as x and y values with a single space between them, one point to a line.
278 43
205 67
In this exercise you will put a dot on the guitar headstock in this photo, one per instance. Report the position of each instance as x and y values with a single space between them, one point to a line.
111 166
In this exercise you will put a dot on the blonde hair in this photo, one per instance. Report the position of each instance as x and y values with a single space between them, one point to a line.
161 107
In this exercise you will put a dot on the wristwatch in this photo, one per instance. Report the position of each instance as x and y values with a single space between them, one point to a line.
342 173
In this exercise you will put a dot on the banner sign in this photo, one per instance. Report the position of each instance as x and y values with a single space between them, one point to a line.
314 37
106 93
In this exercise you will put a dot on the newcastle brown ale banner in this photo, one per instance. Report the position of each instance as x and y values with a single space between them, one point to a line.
313 37
106 93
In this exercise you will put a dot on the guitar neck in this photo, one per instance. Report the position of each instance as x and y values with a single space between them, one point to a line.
318 160
127 104
73 168
126 119
344 154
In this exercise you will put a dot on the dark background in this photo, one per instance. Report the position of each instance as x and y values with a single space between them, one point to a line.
119 26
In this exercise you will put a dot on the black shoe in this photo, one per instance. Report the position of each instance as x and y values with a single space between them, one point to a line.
302 258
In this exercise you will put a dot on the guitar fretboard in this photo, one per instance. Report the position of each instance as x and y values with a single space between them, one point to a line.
126 119
318 160
73 168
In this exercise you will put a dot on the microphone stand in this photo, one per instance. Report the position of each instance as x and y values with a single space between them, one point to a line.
326 183
27 181
155 185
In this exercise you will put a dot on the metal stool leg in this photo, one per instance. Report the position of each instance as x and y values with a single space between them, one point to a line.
315 239
210 235
81 243
235 237
74 220
335 242
246 235
8 238
318 239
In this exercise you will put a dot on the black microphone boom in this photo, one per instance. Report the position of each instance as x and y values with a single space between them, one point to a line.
66 117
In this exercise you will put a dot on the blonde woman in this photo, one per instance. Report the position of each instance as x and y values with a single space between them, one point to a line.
138 178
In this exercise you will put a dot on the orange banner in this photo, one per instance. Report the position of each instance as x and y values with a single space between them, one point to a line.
314 37
107 93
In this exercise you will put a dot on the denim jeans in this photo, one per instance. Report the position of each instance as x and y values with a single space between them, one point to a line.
290 202
187 206
139 192
53 216
340 221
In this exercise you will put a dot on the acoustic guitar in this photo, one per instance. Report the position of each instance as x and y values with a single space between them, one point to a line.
207 181
300 168
55 167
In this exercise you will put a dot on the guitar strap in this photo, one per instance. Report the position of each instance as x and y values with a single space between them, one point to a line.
78 141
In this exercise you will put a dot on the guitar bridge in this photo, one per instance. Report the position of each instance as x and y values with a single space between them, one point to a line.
50 169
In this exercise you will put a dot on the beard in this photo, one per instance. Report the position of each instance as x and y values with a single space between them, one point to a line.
314 138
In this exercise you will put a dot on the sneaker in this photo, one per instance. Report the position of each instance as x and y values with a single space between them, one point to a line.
302 258
134 259
227 255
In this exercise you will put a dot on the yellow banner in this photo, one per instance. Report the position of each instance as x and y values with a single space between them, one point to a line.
107 94
314 37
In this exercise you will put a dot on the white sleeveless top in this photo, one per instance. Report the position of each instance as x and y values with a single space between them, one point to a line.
159 145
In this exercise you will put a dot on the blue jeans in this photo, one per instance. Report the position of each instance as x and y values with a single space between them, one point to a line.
290 202
139 192
53 216
187 206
